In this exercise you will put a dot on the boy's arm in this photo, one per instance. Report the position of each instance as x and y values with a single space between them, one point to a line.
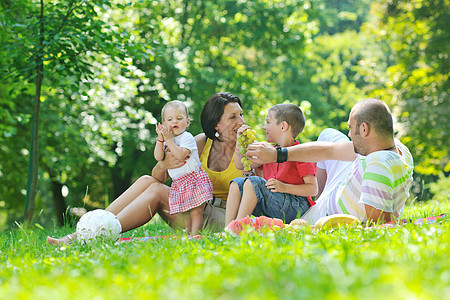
309 188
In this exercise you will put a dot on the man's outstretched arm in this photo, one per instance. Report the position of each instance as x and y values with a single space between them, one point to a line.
263 152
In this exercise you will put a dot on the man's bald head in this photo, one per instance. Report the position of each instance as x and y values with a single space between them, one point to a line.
375 113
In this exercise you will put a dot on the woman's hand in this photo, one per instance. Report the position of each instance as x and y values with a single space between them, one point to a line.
261 153
171 162
242 129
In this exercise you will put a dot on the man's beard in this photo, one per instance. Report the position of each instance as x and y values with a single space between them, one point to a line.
358 151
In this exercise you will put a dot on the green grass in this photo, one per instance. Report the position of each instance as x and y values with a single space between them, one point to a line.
406 262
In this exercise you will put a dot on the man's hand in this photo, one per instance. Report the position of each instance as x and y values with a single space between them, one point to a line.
261 153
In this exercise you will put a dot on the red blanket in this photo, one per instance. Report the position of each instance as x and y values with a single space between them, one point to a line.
259 223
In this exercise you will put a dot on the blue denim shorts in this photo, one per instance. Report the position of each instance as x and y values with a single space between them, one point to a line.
286 207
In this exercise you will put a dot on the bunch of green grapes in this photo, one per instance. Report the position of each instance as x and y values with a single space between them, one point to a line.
245 139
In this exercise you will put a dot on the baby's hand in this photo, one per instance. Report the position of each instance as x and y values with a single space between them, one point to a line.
274 185
166 132
159 131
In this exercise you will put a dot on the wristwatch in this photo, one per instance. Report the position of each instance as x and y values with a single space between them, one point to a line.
282 154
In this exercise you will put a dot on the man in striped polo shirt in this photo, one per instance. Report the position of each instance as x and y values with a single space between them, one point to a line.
368 177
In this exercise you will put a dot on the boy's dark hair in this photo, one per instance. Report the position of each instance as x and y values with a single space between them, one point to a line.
291 114
213 111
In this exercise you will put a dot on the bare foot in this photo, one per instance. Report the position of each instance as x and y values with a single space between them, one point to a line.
65 240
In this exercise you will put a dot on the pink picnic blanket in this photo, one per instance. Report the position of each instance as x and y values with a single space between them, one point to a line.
429 220
156 237
258 223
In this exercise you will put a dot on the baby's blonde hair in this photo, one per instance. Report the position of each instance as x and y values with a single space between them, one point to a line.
175 103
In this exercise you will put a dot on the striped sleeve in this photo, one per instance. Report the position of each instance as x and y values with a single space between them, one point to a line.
377 186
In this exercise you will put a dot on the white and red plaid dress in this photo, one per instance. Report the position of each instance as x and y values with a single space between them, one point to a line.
189 191
190 184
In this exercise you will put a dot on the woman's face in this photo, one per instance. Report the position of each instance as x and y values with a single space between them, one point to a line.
230 121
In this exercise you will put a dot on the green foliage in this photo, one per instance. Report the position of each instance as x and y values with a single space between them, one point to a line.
110 66
441 188
404 262
332 66
414 77
338 16
50 44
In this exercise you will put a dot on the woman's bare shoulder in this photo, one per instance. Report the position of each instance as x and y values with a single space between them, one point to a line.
200 139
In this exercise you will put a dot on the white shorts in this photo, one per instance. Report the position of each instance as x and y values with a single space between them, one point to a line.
337 172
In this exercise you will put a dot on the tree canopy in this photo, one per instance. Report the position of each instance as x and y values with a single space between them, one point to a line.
108 67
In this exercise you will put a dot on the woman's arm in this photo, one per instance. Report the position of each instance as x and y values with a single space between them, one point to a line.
237 159
309 188
177 151
200 139
159 172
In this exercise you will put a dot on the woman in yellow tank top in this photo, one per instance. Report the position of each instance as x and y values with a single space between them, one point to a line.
221 117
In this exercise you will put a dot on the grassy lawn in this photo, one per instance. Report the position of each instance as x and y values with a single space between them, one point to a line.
406 262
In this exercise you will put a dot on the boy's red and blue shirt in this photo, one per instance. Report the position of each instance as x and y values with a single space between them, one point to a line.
290 172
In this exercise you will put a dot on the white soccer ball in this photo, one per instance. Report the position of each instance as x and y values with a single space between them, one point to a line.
98 224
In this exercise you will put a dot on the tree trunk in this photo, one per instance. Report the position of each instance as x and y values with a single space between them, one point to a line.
33 166
58 202
121 180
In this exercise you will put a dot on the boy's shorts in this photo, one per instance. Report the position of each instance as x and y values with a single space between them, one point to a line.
286 207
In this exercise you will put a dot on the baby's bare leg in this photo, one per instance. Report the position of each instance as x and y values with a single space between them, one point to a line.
197 219
187 220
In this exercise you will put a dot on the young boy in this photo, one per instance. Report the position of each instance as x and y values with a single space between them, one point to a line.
286 189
